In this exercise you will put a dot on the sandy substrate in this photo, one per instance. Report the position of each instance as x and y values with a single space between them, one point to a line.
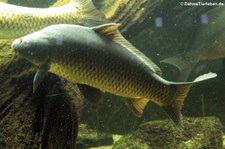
117 137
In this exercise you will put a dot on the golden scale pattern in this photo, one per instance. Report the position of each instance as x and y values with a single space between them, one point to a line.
21 23
111 76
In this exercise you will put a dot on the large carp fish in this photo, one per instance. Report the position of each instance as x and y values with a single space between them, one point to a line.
99 58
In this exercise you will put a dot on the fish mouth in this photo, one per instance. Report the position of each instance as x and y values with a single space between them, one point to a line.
16 44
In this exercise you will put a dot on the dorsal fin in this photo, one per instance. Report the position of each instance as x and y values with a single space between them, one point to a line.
110 30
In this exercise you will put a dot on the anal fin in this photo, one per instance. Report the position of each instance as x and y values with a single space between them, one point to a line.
137 105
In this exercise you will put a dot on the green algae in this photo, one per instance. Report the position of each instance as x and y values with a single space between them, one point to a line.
198 133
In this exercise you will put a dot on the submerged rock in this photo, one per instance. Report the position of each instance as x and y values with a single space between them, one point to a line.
88 137
198 133
47 118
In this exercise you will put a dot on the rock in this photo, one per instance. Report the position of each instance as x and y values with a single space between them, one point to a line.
88 137
198 133
47 118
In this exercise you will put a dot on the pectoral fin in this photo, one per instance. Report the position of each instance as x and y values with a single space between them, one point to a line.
90 93
137 105
39 76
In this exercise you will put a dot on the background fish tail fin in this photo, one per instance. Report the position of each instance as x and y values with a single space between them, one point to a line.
174 109
137 105
93 16
182 63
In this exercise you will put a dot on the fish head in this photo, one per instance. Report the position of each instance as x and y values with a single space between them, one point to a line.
33 47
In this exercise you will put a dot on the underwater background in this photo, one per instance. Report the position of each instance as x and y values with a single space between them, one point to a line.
167 30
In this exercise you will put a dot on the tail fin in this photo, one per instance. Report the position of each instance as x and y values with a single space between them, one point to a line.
92 16
183 63
174 109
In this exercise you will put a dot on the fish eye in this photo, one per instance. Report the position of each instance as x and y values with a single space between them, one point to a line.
25 43
20 40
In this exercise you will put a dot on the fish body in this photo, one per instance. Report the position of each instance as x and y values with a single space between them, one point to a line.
4 1
209 45
17 21
128 13
60 3
99 57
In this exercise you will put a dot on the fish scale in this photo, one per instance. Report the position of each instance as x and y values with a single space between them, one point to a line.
17 21
106 75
